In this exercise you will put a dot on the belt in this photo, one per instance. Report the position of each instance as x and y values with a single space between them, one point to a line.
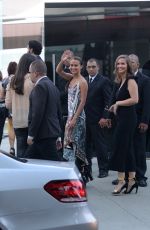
2 105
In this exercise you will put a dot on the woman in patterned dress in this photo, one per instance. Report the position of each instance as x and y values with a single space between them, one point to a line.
74 141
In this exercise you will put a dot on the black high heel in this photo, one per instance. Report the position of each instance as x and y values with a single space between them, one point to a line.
117 192
135 185
12 151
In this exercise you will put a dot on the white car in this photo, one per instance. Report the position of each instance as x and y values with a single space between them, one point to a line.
42 195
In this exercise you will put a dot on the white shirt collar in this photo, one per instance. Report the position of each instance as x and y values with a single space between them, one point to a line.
135 73
40 79
93 77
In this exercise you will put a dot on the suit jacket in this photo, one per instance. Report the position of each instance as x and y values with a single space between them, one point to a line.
98 98
44 111
61 84
143 106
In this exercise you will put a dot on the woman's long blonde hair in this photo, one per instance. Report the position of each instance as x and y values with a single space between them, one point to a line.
129 69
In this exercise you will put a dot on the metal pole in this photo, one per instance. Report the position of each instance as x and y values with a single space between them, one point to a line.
1 34
54 67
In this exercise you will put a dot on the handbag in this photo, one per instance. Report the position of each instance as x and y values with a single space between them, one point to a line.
69 153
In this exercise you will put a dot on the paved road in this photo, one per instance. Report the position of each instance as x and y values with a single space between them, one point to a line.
126 212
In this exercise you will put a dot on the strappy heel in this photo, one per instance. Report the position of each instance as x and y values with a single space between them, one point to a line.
12 151
122 185
131 187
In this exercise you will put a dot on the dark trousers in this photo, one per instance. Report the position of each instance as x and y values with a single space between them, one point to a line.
3 115
21 139
96 135
64 120
63 124
140 154
44 149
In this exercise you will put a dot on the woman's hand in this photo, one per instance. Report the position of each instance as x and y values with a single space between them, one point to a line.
72 123
58 143
66 57
103 122
143 127
113 108
66 61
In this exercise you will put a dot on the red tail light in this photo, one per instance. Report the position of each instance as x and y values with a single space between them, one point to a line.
67 191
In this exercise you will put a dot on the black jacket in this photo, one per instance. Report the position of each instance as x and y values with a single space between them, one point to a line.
98 98
44 111
143 106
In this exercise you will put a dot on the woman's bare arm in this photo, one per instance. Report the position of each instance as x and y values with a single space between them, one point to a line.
2 92
61 72
8 98
133 91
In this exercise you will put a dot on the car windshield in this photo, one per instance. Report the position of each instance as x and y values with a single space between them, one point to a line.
14 157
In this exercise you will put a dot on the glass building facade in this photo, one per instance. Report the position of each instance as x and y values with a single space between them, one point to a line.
102 30
93 29
19 24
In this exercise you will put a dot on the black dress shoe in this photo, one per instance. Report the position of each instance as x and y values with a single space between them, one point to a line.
115 182
142 183
102 174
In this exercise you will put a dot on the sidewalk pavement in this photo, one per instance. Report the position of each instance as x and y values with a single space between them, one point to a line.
124 212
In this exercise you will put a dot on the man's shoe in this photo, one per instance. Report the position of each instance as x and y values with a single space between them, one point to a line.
103 174
142 183
115 182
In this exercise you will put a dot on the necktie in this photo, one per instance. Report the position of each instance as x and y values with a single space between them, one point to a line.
90 80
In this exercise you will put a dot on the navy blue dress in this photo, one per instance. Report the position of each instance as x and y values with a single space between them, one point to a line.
123 157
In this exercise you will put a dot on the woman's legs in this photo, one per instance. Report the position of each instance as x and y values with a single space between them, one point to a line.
3 115
21 138
11 136
132 183
121 184
121 176
131 175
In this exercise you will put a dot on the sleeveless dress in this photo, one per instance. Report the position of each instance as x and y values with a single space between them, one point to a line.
123 157
75 139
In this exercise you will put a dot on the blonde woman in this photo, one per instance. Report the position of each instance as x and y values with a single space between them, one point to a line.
126 96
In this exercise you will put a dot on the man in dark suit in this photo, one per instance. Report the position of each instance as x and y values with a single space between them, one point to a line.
98 97
44 115
143 115
62 85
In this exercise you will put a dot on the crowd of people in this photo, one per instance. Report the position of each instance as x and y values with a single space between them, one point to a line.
71 120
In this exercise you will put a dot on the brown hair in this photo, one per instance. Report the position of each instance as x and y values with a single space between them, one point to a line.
12 68
17 82
129 69
1 76
77 59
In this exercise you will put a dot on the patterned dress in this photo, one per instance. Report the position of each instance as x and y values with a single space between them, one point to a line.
74 141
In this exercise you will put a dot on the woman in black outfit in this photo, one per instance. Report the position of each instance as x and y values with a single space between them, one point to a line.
126 96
